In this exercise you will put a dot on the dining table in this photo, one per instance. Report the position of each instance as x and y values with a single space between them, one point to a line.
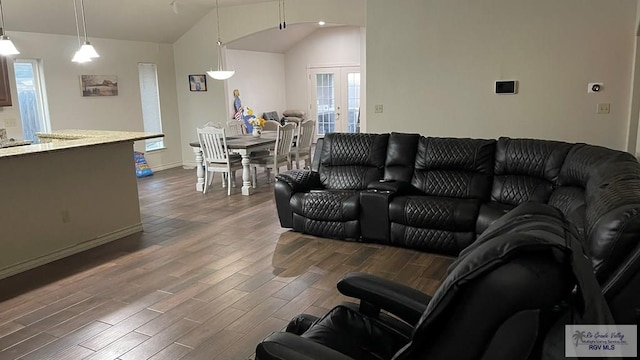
243 145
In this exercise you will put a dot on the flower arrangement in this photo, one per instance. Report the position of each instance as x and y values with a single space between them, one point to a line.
256 121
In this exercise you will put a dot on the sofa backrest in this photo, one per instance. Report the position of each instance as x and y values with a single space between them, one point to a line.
401 156
352 161
526 169
454 167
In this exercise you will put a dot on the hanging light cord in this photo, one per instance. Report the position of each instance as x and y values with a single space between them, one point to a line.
218 22
282 18
219 41
84 21
75 11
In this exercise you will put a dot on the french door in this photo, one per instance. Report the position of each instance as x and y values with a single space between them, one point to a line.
335 99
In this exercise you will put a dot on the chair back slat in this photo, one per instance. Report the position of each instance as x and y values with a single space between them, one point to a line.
305 135
284 139
236 128
213 143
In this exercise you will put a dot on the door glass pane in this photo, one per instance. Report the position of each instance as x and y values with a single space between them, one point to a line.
353 91
30 99
325 97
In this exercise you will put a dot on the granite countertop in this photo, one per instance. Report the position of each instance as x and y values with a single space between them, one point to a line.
73 138
11 143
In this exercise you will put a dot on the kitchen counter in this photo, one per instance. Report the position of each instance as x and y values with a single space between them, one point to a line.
11 143
67 139
76 191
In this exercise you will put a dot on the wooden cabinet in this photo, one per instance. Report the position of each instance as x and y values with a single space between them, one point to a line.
5 89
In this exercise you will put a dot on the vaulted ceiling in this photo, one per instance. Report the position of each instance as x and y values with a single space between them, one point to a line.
161 21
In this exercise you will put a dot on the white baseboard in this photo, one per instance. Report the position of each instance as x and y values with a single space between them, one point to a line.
59 254
166 166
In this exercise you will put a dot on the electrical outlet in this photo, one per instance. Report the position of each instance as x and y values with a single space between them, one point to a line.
379 109
604 108
10 123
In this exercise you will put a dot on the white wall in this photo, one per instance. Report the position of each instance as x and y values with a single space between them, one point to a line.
432 64
333 46
260 79
195 52
69 110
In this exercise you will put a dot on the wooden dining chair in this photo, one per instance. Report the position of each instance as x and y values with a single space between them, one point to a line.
213 143
280 156
236 128
271 125
304 140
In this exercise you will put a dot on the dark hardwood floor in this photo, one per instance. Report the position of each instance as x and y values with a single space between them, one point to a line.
210 276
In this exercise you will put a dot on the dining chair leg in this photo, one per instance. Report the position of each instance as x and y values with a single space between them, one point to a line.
233 179
268 171
229 184
207 181
254 178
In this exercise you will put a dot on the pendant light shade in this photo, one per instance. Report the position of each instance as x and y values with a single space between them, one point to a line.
6 45
86 52
220 73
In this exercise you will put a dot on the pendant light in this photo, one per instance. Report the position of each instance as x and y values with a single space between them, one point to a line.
6 45
86 50
219 74
78 57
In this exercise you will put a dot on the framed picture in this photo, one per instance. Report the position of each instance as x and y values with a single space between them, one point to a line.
198 82
99 85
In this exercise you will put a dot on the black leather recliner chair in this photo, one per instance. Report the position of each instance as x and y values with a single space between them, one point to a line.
499 300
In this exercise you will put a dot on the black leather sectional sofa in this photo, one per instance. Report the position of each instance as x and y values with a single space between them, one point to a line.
438 194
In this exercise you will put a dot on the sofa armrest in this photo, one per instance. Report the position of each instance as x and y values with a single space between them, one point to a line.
393 186
376 293
301 180
283 345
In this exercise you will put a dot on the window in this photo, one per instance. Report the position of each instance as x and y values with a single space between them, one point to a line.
150 98
31 98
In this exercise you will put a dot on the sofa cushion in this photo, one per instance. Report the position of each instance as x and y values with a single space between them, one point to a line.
271 115
327 205
526 169
452 167
490 212
401 156
435 212
580 163
430 240
352 161
613 214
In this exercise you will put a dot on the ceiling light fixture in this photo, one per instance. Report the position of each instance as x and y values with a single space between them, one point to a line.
6 45
78 57
321 23
86 49
220 73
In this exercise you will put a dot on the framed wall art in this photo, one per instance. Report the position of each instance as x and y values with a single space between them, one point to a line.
99 85
198 82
